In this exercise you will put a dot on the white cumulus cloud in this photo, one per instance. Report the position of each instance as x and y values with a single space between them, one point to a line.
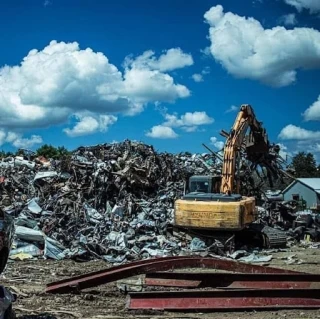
292 132
312 113
144 86
288 19
188 119
162 132
247 50
206 70
21 142
197 77
61 80
189 129
232 108
216 143
312 5
89 124
170 60
206 52
18 141
188 122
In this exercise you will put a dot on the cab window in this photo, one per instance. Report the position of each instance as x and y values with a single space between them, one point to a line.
199 186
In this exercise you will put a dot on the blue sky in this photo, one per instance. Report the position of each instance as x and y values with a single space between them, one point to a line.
80 72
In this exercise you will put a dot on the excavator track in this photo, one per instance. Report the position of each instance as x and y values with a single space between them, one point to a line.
273 238
257 235
264 236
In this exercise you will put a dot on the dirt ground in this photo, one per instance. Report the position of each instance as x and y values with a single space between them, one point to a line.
28 279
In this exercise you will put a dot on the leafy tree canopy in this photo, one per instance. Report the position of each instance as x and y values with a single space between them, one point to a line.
305 165
4 154
50 151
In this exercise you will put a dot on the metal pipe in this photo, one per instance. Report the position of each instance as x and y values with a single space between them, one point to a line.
212 152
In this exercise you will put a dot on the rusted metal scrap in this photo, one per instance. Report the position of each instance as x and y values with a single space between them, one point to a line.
151 265
230 300
233 280
293 289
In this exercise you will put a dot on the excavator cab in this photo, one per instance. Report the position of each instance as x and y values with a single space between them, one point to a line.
207 188
204 184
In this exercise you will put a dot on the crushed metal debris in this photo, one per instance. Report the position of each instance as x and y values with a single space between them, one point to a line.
115 202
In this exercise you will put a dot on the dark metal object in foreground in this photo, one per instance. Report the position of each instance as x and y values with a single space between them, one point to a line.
152 265
6 300
226 300
231 280
6 237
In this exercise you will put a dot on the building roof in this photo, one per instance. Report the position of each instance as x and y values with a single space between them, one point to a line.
313 183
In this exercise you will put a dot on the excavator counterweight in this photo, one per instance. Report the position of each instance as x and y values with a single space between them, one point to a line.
215 212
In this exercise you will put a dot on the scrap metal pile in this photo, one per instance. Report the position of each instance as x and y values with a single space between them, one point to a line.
292 217
112 201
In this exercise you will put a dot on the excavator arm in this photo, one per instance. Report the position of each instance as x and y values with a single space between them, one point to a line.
256 145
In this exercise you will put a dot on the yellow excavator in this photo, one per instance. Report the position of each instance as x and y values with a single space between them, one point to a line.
214 206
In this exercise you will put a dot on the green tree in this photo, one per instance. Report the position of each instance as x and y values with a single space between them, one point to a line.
4 154
305 165
62 151
50 151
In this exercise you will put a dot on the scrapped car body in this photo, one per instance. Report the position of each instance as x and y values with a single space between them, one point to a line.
16 161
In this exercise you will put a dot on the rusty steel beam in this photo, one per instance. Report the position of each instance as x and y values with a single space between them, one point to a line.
105 276
231 280
173 282
223 300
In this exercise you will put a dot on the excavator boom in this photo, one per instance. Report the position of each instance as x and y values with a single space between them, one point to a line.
258 137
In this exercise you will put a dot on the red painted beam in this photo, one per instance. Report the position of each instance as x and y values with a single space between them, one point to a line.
152 265
275 284
226 300
180 283
232 280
